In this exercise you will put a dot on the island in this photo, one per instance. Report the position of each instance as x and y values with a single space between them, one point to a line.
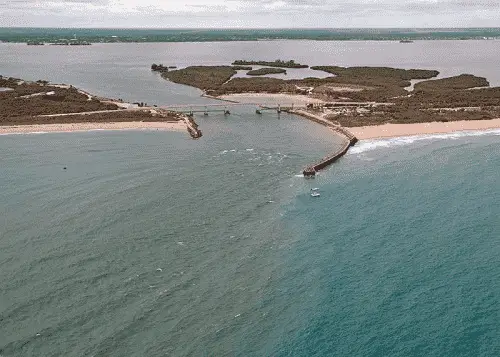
41 106
277 63
243 68
265 71
357 96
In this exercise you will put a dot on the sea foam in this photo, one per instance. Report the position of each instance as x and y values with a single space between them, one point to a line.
369 145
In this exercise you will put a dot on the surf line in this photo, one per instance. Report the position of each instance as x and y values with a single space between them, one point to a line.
349 139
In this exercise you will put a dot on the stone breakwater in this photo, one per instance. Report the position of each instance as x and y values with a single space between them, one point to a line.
192 128
191 125
348 140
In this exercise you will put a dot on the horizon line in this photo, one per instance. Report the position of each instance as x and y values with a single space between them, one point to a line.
254 28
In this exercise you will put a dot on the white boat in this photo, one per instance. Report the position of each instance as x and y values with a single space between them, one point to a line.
315 189
315 194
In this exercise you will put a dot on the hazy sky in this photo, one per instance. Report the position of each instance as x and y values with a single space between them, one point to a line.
250 13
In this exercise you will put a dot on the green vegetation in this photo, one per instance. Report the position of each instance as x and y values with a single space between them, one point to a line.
203 77
464 81
48 100
447 99
277 63
444 99
254 85
265 71
159 68
29 100
243 68
371 83
378 72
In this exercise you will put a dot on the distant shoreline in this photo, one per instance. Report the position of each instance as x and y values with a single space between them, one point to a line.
114 35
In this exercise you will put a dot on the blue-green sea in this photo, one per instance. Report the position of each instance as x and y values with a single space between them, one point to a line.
150 243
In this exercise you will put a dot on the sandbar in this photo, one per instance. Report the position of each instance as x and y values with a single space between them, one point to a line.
74 127
396 130
270 98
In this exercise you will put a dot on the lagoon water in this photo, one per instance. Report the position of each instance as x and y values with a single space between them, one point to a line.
153 244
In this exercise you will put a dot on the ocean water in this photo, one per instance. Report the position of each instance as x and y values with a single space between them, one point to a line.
153 244
202 35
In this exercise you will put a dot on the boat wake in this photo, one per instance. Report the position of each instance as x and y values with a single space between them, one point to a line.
369 145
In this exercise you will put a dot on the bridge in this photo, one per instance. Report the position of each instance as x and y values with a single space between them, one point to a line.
206 109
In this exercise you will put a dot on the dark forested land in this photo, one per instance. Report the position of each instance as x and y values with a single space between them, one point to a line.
202 77
48 99
265 71
27 102
378 94
278 63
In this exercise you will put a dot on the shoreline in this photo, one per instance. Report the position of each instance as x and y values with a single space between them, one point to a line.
91 126
283 99
401 130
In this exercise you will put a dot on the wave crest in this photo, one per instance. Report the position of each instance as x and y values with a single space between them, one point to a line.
369 145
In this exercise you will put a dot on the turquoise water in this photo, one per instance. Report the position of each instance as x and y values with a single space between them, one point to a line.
210 35
153 244
400 258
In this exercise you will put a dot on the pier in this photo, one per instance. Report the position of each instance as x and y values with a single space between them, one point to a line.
348 140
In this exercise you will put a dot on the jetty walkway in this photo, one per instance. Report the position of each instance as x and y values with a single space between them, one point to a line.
348 139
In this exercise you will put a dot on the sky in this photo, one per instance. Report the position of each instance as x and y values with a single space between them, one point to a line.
249 13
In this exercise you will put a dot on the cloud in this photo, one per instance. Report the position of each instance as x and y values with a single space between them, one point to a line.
250 13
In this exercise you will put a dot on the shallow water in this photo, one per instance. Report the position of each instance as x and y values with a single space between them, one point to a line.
123 70
153 244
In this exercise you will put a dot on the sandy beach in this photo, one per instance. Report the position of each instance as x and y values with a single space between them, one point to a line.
74 127
271 98
395 130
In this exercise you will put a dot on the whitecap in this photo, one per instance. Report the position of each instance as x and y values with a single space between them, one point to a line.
369 145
